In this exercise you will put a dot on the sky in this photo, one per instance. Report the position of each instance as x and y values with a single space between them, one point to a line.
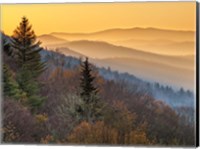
92 17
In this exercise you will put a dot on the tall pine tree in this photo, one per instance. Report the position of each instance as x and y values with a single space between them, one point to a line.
27 48
27 53
91 108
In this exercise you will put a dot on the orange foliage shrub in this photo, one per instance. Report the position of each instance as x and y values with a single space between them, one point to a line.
124 116
69 73
41 118
120 118
10 133
48 139
97 133
136 137
58 72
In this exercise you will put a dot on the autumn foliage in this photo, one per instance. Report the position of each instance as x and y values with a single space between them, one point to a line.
98 133
69 102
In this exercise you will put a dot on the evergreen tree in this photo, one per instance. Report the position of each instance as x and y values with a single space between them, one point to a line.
27 52
91 108
87 82
27 48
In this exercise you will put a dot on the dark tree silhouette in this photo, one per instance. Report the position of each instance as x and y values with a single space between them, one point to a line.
91 107
87 82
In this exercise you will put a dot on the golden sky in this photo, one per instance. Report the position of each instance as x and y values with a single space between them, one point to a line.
91 17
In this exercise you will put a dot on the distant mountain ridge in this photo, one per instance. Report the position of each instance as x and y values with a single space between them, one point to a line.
160 46
49 39
121 29
158 41
134 33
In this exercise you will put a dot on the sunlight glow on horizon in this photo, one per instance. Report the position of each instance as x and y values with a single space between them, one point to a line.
93 17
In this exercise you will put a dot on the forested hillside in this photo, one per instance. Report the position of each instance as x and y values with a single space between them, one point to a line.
50 98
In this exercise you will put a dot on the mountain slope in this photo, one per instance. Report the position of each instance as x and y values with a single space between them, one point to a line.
69 52
151 71
136 84
99 50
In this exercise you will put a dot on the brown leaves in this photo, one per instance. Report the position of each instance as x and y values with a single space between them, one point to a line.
10 133
48 139
100 133
41 118
97 133
136 137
